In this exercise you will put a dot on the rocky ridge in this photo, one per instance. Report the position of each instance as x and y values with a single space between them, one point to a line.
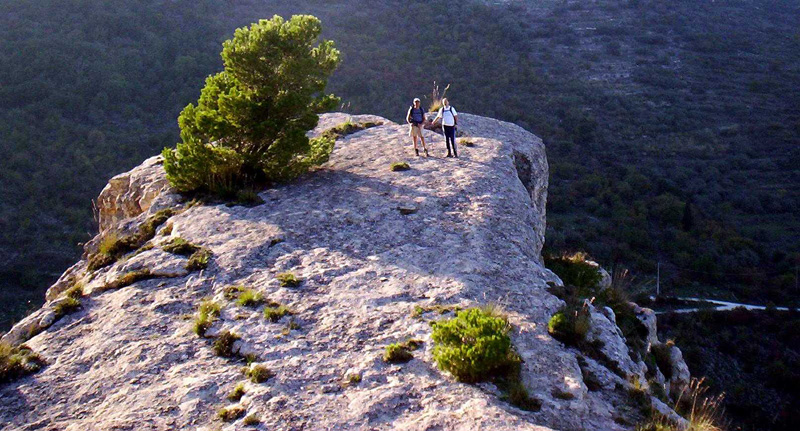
379 253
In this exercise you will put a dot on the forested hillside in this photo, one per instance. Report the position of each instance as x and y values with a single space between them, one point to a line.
671 126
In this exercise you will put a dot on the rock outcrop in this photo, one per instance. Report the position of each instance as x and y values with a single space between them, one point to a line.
378 255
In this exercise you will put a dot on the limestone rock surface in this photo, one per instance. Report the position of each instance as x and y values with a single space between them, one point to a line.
370 275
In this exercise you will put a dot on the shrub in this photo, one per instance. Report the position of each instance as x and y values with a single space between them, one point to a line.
199 260
223 345
17 362
400 166
569 326
275 67
347 128
112 246
467 143
251 420
354 379
207 313
230 414
288 279
473 346
396 353
250 298
75 292
259 374
181 247
66 306
574 270
274 313
237 393
248 198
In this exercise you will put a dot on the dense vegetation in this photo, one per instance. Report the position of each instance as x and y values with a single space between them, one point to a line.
671 126
751 356
257 111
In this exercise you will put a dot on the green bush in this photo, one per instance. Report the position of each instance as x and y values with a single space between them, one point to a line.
112 245
396 354
223 345
237 393
259 373
180 247
400 166
199 260
473 346
207 313
287 279
230 414
569 326
250 123
66 306
16 362
574 270
274 313
251 420
250 298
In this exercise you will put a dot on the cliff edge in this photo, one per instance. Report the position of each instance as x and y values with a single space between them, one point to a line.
376 254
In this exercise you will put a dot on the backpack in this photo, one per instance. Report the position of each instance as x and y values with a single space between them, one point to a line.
450 111
415 113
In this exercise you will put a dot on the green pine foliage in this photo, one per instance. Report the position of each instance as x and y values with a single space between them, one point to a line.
474 346
249 125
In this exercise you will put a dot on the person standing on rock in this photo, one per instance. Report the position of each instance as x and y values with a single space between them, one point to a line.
449 118
416 119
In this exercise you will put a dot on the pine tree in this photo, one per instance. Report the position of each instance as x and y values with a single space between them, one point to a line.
249 126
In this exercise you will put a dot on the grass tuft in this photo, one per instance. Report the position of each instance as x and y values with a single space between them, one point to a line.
259 373
207 313
66 306
397 354
17 362
199 259
250 298
400 166
230 414
223 344
251 420
237 393
274 313
288 279
180 247
129 278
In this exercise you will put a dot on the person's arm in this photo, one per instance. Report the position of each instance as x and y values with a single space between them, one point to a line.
408 115
455 115
438 116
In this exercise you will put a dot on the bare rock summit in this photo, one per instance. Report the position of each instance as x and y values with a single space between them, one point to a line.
342 271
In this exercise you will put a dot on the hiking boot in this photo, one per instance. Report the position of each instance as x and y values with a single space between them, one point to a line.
449 155
426 153
416 151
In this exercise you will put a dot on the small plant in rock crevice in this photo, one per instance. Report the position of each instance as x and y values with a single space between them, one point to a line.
66 306
17 362
250 298
288 279
114 245
400 166
230 414
399 353
223 344
237 393
207 313
199 259
251 420
180 247
129 278
258 373
274 312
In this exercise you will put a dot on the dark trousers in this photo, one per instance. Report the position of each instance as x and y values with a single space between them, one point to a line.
450 136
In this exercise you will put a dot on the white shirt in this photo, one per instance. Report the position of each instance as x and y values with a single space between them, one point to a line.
448 116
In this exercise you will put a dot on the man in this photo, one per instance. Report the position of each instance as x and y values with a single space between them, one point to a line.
416 119
449 118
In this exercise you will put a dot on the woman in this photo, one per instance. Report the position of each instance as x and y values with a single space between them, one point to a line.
449 118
